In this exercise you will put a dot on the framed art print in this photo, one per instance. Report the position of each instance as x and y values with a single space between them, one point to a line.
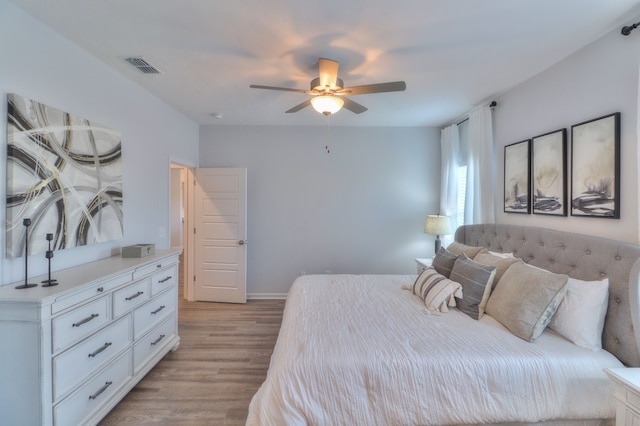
516 177
549 173
595 167
64 176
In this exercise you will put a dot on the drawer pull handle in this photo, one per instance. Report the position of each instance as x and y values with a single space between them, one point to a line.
135 295
164 280
100 289
86 320
97 351
102 389
158 310
157 340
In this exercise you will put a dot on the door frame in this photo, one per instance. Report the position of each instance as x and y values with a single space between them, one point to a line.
188 239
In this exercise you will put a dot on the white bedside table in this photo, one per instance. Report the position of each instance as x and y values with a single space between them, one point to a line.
423 264
627 394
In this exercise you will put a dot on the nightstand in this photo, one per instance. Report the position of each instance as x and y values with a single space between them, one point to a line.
627 394
423 264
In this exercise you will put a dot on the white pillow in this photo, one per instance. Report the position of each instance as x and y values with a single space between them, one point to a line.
502 255
580 316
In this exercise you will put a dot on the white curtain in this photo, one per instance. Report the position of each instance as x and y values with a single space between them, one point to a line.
480 204
449 148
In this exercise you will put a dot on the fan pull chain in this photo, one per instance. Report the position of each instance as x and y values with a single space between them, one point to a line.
328 135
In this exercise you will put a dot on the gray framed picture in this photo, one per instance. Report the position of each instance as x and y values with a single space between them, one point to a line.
549 173
595 167
517 177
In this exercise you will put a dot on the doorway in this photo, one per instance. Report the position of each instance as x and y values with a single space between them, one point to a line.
180 220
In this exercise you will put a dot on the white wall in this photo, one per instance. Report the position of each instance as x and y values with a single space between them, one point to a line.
40 64
358 209
600 79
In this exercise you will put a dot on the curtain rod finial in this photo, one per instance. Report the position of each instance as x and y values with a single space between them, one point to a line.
626 30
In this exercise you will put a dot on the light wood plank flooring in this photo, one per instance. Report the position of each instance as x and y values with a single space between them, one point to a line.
223 358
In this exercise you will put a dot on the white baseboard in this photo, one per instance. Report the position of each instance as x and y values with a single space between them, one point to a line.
266 296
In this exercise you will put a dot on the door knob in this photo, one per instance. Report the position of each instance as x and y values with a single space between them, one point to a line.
242 242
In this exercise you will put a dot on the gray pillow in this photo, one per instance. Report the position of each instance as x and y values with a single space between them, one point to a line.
501 264
526 299
459 248
475 279
443 262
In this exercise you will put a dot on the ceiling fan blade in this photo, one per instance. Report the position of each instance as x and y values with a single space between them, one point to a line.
328 72
353 106
300 106
286 89
393 86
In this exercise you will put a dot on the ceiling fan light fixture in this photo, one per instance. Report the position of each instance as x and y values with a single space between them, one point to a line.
327 104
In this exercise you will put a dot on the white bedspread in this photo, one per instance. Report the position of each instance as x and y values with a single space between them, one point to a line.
359 350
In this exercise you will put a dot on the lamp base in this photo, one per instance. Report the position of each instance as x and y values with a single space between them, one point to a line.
438 244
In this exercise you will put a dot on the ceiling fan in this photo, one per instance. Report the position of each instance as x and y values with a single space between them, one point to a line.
329 94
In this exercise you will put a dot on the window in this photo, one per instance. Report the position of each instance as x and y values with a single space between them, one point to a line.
463 137
462 194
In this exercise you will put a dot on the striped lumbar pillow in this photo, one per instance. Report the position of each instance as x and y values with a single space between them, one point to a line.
437 291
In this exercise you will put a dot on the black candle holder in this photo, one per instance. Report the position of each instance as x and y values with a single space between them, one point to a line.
49 282
26 223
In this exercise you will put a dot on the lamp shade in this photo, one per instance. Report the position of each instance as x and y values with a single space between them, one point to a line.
326 104
437 225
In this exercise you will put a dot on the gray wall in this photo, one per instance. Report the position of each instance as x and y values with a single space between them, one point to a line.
42 65
358 209
600 79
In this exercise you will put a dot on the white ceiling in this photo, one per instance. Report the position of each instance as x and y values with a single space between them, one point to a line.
453 54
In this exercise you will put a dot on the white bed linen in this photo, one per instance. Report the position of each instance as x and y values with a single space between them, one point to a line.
359 350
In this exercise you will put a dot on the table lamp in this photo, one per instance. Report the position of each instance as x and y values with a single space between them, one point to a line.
437 225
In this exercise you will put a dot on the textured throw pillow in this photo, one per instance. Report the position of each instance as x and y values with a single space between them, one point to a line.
501 264
580 316
526 299
470 251
476 280
443 262
437 291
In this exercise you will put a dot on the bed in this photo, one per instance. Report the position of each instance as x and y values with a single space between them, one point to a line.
363 350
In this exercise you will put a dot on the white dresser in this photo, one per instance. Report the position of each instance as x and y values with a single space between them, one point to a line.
70 353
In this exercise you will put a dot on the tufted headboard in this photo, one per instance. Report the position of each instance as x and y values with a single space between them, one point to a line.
582 257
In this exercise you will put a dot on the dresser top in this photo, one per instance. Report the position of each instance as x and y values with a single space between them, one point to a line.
86 274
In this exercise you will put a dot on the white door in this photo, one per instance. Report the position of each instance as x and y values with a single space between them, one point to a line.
220 235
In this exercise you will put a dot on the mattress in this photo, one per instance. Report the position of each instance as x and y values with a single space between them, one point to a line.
361 350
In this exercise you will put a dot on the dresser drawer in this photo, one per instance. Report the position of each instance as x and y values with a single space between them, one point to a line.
152 267
79 323
163 279
67 301
150 314
130 297
152 342
92 394
72 366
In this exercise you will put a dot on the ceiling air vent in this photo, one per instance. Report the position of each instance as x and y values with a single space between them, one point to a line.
142 65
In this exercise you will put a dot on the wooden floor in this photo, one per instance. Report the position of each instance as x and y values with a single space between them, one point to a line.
222 360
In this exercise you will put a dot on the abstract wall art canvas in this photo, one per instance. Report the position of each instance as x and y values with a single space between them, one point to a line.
549 173
65 174
516 177
595 167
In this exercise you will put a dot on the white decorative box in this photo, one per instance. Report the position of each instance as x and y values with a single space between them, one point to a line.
138 250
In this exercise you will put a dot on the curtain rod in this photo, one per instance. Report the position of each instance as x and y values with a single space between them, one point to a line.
493 104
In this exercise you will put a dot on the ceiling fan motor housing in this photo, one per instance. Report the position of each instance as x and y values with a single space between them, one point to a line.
315 85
